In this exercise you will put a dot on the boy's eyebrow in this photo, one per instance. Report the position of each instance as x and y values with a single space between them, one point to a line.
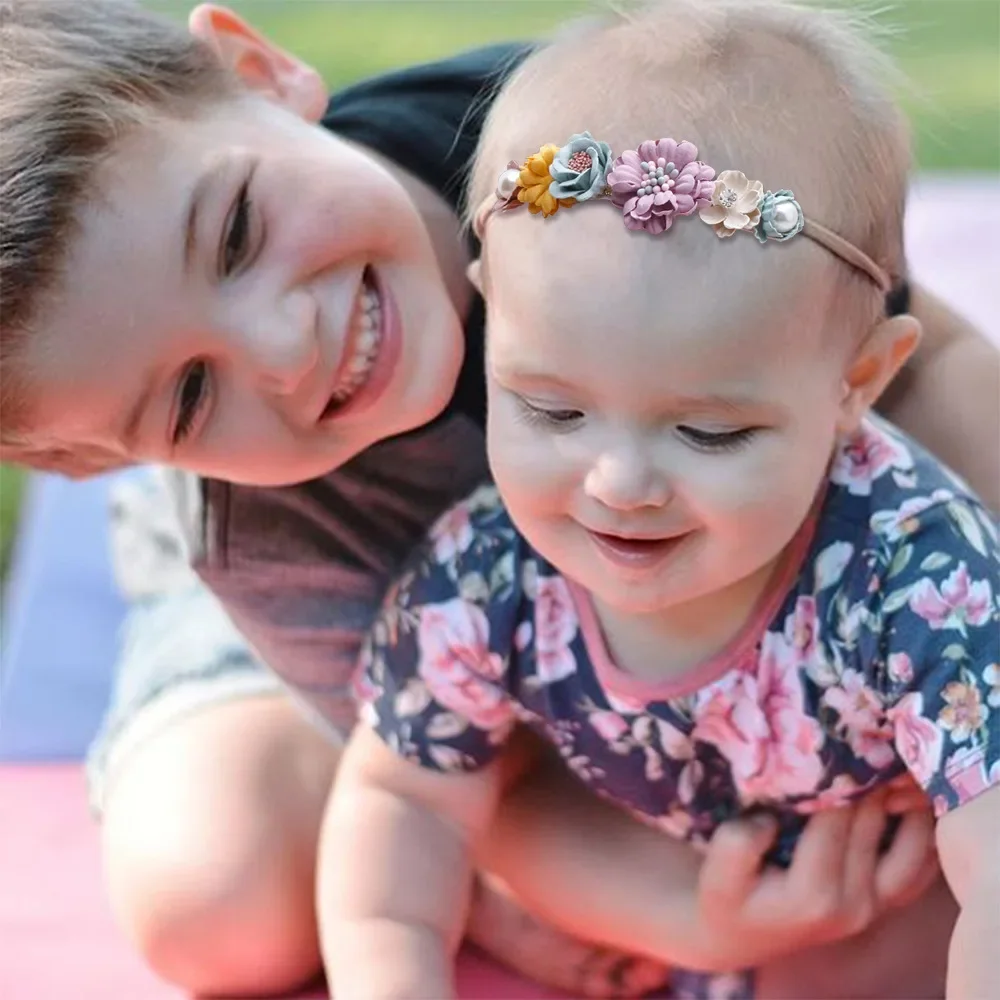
198 192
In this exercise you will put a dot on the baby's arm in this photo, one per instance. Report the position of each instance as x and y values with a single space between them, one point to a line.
394 902
946 396
969 845
940 638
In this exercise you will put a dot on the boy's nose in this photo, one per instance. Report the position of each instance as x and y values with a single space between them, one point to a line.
285 367
625 479
283 348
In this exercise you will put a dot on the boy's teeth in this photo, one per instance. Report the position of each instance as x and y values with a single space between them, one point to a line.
364 336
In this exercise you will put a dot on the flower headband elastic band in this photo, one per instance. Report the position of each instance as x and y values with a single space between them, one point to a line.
655 183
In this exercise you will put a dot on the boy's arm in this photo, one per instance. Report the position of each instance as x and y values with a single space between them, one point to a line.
395 872
969 844
948 395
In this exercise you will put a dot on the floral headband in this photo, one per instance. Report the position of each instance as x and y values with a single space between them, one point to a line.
656 182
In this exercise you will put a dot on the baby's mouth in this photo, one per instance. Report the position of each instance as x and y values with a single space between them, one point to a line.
361 345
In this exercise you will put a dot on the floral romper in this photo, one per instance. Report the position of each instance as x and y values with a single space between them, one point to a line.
876 650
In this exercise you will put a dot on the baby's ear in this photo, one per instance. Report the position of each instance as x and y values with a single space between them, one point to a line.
261 65
474 272
875 364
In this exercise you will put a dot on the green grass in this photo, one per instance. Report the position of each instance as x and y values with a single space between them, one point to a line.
11 483
949 49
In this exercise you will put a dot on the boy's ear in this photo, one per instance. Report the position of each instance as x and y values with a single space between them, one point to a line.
884 351
474 272
259 63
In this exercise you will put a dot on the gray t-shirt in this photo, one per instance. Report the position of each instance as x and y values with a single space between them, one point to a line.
302 570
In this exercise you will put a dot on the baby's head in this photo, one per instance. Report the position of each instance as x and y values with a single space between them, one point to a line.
192 272
684 386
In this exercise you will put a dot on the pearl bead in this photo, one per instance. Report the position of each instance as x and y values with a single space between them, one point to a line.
661 162
508 184
785 218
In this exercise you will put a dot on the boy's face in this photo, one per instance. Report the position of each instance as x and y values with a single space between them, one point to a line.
249 298
656 433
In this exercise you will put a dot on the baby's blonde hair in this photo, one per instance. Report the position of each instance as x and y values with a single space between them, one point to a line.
790 94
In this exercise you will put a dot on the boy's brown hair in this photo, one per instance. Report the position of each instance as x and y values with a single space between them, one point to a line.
75 77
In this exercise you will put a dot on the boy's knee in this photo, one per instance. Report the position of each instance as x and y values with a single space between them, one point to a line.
209 844
214 921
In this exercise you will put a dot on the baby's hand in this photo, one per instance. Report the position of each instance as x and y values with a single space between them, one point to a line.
837 884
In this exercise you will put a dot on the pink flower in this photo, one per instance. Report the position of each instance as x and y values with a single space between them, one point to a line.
861 718
958 603
865 457
918 741
457 666
658 181
609 725
900 668
965 771
452 534
556 626
758 722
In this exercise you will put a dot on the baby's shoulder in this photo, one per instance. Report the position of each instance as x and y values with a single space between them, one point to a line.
893 515
885 489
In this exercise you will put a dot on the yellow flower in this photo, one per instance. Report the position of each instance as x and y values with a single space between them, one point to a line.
534 183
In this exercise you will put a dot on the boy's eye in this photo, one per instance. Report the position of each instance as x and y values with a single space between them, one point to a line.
555 419
716 440
191 394
236 235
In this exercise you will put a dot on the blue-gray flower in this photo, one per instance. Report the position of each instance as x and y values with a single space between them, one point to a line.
579 168
781 217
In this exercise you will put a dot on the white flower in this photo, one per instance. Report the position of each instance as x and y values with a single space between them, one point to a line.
831 562
735 203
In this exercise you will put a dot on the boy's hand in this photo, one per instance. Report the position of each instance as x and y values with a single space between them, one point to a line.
837 884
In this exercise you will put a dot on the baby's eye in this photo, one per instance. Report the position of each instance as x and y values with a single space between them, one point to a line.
192 392
716 440
555 418
236 236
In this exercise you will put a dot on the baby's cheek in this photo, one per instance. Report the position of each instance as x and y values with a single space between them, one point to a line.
529 471
760 496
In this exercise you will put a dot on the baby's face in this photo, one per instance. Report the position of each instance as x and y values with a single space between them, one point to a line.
249 298
658 426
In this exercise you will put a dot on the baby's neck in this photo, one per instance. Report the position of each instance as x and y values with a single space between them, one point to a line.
666 645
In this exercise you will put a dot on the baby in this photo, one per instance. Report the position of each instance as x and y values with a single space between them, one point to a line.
707 575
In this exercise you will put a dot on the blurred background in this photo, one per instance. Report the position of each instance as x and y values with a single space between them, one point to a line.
948 49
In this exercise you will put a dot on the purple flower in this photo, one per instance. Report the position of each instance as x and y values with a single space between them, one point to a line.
658 181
